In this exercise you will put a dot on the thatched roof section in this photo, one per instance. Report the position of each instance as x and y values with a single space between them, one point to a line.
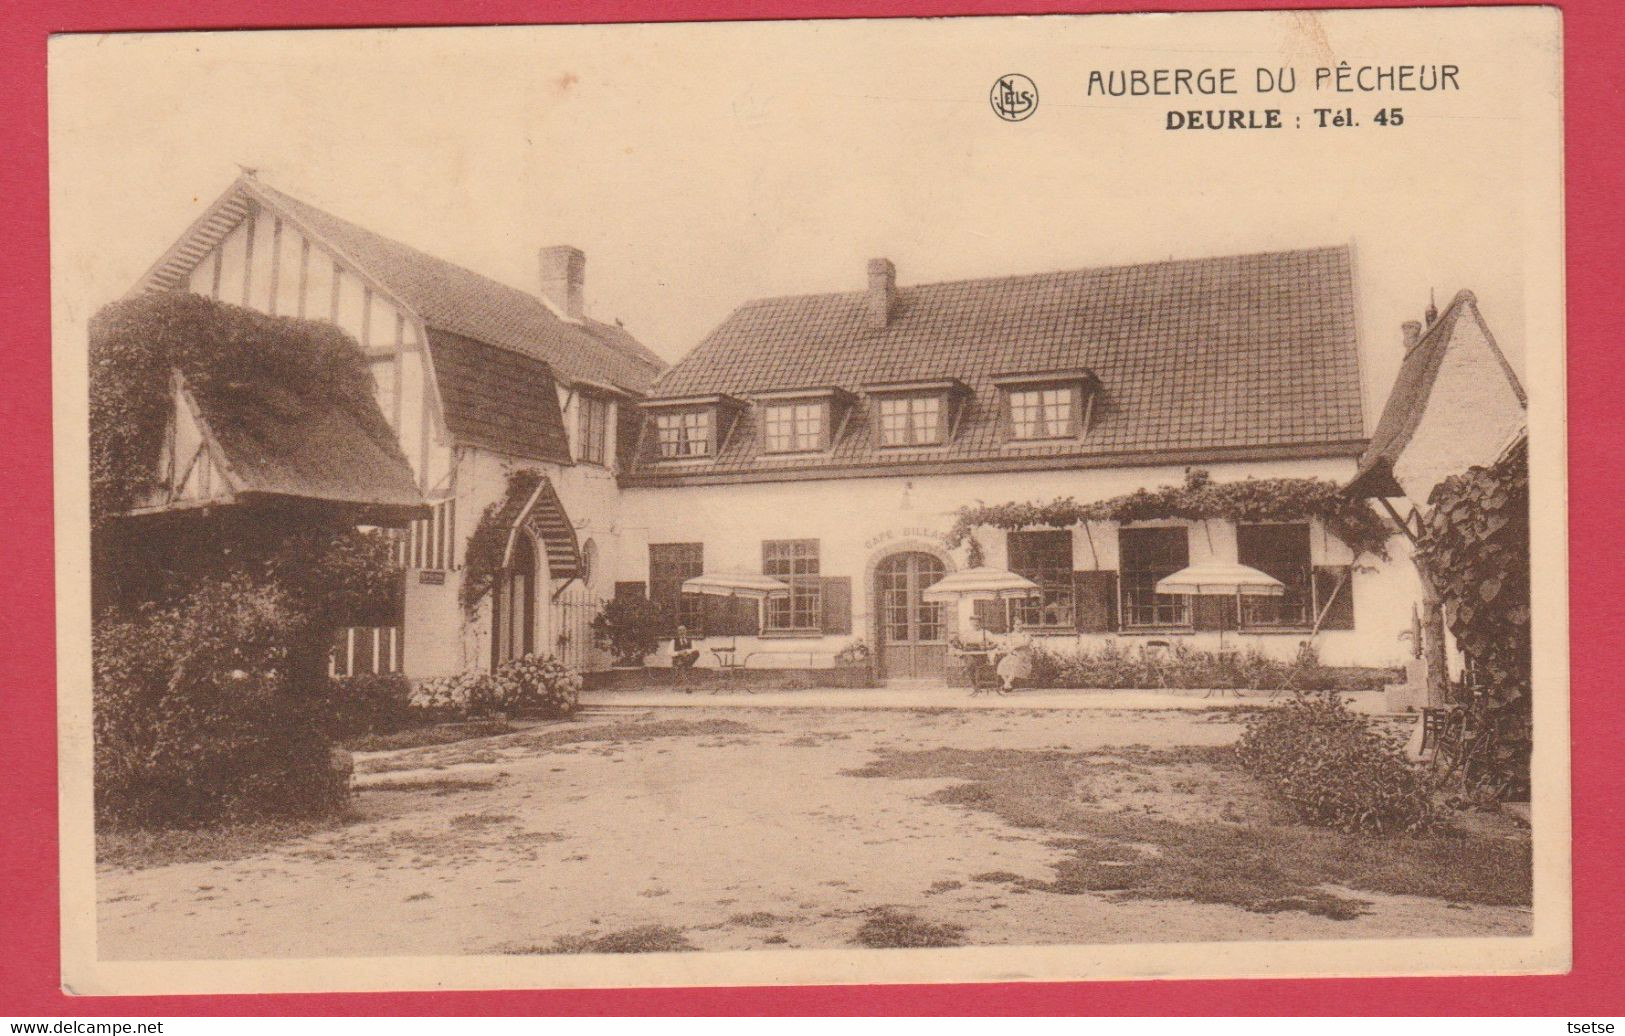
286 408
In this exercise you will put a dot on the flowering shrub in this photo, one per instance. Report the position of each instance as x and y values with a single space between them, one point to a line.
539 682
854 653
465 695
1333 769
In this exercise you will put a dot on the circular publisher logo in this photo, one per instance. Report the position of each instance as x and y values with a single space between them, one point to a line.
1014 97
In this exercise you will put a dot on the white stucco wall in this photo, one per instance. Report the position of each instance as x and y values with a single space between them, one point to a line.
1470 415
858 521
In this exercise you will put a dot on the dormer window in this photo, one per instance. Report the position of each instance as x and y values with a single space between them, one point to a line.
1047 413
684 433
915 413
1046 406
912 420
806 420
688 427
794 427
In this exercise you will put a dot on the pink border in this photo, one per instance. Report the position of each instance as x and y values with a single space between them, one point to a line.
28 864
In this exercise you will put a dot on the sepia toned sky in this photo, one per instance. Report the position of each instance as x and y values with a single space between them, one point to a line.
702 165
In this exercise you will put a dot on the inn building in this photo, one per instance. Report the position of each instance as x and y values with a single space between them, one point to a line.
828 440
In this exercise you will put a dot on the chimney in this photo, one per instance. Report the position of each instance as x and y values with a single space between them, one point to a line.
882 292
564 272
1412 330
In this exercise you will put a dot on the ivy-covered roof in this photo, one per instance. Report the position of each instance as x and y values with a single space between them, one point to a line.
288 404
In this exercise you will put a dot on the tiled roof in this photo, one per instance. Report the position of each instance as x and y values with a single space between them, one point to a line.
1239 353
1408 399
497 398
455 299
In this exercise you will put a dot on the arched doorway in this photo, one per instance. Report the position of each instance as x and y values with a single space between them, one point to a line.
913 632
513 605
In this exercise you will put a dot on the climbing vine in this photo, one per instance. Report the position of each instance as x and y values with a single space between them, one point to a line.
482 558
137 342
1475 548
1199 498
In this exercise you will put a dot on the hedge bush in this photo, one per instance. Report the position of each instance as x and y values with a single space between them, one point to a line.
1333 769
371 703
1116 666
197 716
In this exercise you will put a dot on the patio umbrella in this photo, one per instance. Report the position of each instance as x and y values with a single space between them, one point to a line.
981 583
736 585
1221 579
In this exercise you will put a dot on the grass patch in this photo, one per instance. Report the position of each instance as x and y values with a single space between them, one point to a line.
939 887
424 737
1265 867
648 938
480 821
436 786
888 928
756 919
135 849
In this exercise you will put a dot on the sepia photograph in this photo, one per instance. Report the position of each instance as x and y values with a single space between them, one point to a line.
1039 498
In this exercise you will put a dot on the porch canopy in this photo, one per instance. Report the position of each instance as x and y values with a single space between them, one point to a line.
981 583
1221 579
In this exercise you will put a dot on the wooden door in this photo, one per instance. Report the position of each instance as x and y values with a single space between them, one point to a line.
913 639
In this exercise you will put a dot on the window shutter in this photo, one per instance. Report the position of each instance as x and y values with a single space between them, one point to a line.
1211 612
1340 612
1094 596
837 603
991 614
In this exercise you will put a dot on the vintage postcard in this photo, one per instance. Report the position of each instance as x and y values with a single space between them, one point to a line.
849 501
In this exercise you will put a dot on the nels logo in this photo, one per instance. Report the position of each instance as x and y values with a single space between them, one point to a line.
1014 97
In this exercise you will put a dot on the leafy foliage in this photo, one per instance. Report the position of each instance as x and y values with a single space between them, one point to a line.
197 714
539 683
1112 666
212 627
371 703
1475 550
482 558
137 342
1249 500
630 626
1334 769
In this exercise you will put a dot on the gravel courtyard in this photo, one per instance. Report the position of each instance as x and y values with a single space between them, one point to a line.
736 828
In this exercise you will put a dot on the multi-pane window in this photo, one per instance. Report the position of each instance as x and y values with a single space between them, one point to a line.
1045 557
1143 557
684 433
669 565
1042 413
910 420
794 562
592 428
1283 552
790 427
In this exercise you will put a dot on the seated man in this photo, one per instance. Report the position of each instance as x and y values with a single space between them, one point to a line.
683 652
